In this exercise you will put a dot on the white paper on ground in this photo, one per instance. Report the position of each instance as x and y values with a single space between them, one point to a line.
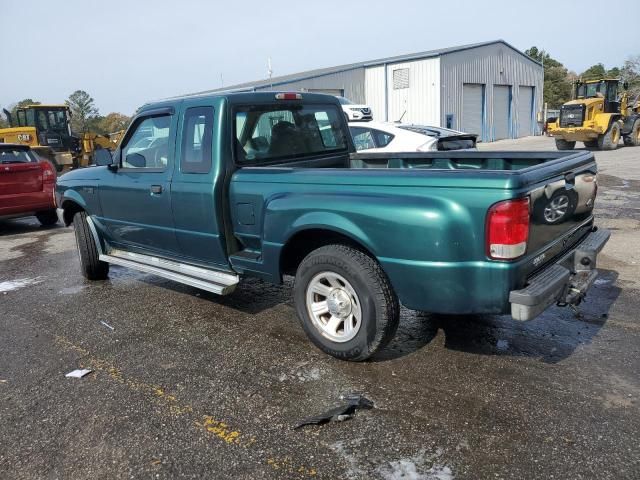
78 373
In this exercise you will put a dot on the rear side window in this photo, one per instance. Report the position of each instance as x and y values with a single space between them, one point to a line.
362 138
196 140
269 133
382 138
16 156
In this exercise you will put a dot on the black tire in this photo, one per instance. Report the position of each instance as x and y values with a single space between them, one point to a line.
633 139
379 307
47 217
609 141
564 145
92 268
591 144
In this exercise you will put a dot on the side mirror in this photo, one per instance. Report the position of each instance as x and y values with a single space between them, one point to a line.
102 157
136 160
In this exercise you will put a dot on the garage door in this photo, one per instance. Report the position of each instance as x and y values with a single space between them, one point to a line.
525 111
501 111
472 108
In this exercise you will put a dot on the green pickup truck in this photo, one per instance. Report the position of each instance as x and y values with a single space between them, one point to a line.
205 190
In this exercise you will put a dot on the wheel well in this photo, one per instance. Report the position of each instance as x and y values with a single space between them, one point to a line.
70 209
306 241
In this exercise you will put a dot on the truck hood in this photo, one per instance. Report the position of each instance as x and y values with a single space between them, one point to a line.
89 173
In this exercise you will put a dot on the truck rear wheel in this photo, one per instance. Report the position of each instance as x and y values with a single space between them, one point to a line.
90 264
609 141
345 302
591 143
633 139
564 145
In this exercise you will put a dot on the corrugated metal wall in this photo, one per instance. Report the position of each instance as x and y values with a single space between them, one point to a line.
374 91
350 81
419 103
489 65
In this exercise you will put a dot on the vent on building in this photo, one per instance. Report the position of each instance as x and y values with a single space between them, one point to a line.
400 78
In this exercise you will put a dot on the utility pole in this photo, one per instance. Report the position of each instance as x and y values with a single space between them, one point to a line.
269 71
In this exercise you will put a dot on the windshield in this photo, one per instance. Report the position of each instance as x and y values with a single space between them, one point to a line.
51 119
11 155
344 101
591 90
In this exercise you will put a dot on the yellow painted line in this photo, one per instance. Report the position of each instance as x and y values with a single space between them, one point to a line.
212 427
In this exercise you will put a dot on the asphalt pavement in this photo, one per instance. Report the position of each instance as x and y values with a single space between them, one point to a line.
187 384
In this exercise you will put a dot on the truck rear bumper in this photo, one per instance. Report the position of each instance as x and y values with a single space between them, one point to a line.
564 282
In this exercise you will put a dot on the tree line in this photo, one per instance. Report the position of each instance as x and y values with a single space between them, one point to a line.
558 80
85 116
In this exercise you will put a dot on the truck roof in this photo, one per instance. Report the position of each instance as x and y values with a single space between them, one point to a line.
241 97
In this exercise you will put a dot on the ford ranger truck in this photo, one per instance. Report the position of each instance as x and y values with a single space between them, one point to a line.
208 189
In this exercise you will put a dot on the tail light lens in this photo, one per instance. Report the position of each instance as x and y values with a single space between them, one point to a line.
507 229
48 172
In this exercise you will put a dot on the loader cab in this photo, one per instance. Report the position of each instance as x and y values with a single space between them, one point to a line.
51 123
606 89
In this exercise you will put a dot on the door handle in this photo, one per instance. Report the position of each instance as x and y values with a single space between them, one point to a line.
156 189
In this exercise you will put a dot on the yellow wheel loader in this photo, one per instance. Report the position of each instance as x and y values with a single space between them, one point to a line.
598 116
47 130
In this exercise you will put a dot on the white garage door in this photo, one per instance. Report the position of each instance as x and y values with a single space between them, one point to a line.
525 111
472 108
501 111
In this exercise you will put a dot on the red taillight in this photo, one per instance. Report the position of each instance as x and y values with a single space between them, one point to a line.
288 96
48 172
508 229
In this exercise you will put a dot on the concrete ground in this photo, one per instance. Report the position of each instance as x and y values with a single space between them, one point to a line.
187 384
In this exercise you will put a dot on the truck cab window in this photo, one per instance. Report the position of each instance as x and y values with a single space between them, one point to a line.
270 133
148 145
197 140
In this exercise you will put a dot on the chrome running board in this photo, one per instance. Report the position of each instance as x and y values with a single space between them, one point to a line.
221 283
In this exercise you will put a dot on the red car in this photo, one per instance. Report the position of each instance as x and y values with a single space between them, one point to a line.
27 184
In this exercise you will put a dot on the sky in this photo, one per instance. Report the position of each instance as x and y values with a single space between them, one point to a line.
126 53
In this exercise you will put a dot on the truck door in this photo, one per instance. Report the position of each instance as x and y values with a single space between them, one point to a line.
136 197
197 186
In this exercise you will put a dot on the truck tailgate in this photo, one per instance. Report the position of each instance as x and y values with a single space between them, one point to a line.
561 206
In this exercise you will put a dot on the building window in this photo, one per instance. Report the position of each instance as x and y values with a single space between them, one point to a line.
400 78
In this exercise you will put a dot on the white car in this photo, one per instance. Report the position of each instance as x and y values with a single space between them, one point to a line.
402 137
355 112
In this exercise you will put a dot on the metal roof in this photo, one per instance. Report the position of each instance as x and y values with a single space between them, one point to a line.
275 81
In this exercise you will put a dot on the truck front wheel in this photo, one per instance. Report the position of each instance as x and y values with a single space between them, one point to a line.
609 141
92 267
564 144
345 302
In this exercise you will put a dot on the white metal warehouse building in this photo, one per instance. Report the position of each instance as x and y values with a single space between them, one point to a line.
490 88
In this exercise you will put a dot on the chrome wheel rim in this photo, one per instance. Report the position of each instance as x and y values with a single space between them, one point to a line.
333 307
556 209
